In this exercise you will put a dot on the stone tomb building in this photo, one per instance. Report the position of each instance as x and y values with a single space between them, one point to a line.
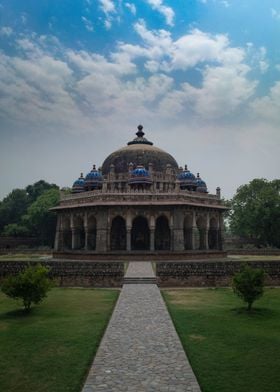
139 202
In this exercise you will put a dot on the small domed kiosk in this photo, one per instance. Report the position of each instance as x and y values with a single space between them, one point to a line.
139 203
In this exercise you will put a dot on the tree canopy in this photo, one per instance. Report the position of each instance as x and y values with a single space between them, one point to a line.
255 212
25 212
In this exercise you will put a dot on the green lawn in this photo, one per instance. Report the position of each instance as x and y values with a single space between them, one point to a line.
254 258
51 349
24 256
229 349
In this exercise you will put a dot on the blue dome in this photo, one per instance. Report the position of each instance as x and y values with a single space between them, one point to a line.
201 185
140 171
187 180
140 175
78 185
186 175
93 179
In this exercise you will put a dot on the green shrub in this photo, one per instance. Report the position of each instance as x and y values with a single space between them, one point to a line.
248 284
31 285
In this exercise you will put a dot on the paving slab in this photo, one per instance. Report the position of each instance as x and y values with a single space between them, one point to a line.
140 269
140 351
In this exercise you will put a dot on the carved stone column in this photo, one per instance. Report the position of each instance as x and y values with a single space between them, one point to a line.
58 243
86 237
152 239
75 238
178 239
101 240
194 233
128 239
221 232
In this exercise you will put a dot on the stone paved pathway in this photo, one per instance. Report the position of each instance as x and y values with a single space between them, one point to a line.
140 269
140 351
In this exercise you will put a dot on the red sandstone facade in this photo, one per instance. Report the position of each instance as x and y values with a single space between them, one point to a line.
140 201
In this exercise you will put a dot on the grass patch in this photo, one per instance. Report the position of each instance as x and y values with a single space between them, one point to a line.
24 256
229 349
254 258
51 349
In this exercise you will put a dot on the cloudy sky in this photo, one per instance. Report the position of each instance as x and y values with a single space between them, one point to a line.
78 76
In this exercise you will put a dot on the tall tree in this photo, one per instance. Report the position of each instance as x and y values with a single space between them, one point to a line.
13 207
39 220
37 189
255 212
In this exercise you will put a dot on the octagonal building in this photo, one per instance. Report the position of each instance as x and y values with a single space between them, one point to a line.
139 204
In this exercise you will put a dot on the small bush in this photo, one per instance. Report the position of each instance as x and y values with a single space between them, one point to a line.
248 284
30 286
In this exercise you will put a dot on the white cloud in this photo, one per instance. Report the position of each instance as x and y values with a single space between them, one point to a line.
225 3
90 87
6 30
275 14
109 9
167 12
131 7
23 18
268 107
88 24
107 6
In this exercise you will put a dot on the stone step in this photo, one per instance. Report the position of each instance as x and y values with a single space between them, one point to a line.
136 280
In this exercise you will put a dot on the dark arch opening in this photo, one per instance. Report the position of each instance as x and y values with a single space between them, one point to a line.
91 244
213 234
79 233
66 234
162 234
118 234
140 234
188 232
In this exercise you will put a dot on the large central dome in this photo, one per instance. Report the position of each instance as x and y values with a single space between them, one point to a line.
139 151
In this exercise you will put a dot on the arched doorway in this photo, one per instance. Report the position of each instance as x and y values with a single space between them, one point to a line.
162 234
213 234
91 241
79 233
66 233
140 234
201 225
118 234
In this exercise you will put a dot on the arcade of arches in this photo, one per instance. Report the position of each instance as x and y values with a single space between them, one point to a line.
139 231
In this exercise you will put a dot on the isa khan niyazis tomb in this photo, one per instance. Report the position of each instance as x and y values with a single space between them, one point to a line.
139 205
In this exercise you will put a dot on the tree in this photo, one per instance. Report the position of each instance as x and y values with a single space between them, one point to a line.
37 189
255 212
31 285
13 207
248 284
25 212
39 220
15 230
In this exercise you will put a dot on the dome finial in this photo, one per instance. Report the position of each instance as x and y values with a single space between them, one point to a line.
140 132
140 139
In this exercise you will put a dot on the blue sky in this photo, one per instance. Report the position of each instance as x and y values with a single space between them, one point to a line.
78 76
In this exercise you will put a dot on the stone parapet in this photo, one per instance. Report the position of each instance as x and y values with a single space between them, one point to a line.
140 256
210 274
73 273
138 196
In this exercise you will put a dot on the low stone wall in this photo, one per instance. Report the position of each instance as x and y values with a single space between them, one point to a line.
210 274
73 273
140 255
